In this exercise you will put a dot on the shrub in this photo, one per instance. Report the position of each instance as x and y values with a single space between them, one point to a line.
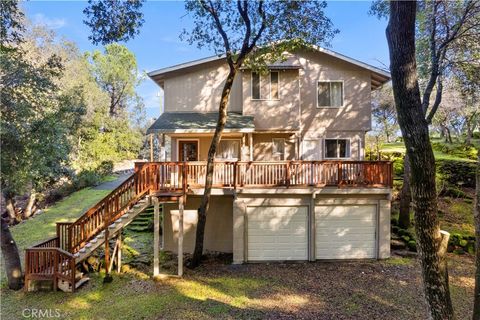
86 178
105 168
457 173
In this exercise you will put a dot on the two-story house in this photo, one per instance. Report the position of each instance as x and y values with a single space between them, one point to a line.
291 182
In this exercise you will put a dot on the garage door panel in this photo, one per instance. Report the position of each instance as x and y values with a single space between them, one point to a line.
349 253
277 233
345 231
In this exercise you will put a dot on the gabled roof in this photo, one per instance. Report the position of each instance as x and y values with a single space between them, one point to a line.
378 76
183 122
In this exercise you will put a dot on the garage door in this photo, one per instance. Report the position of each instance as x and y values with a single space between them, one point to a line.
277 233
345 232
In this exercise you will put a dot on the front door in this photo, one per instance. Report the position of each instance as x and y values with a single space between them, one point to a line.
188 150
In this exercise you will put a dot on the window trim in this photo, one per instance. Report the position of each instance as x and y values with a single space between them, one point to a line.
279 153
187 139
269 98
349 150
343 94
239 149
278 84
259 86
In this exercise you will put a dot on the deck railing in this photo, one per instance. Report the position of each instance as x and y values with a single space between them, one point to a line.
54 259
168 176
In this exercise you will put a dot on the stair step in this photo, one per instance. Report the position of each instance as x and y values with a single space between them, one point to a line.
81 282
78 275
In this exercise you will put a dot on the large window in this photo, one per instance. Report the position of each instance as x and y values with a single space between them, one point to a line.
330 94
265 87
228 150
278 149
337 148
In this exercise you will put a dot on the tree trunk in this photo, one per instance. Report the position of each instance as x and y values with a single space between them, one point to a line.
476 300
11 258
448 135
414 127
203 209
11 209
468 138
31 202
405 196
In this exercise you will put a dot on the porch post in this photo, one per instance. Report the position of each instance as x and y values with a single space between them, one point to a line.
250 144
151 147
119 252
180 236
156 236
162 148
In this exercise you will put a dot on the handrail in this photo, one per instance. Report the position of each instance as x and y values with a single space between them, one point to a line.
55 257
110 208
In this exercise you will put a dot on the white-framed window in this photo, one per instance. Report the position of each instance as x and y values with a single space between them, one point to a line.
270 84
278 148
337 148
274 85
228 150
256 85
329 94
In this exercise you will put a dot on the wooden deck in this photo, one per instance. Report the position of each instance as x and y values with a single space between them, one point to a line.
175 176
56 259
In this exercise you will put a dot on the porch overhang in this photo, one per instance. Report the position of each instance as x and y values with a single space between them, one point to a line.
195 122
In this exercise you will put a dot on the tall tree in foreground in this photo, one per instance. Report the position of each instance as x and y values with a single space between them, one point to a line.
432 242
447 36
260 31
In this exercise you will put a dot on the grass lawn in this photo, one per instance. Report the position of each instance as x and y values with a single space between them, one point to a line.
388 289
400 147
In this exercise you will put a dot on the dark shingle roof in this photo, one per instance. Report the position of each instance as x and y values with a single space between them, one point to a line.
201 122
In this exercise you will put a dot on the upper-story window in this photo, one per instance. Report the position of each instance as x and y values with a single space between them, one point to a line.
337 148
330 94
265 87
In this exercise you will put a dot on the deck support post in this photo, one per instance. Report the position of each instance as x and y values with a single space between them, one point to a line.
156 236
119 252
180 235
108 277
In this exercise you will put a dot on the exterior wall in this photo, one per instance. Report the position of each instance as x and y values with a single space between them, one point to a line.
199 90
352 197
263 146
273 114
356 138
218 229
204 142
355 115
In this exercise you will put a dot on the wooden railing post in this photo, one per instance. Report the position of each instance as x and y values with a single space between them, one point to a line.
287 169
235 175
339 172
184 178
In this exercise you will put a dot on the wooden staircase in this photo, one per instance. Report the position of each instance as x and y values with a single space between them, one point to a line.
55 259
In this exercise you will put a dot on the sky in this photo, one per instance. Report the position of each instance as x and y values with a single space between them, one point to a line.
158 45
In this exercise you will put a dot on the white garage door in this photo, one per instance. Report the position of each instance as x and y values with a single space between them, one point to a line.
277 233
345 232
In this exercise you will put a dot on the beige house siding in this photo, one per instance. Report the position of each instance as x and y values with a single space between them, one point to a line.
218 229
200 90
263 144
271 114
355 115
